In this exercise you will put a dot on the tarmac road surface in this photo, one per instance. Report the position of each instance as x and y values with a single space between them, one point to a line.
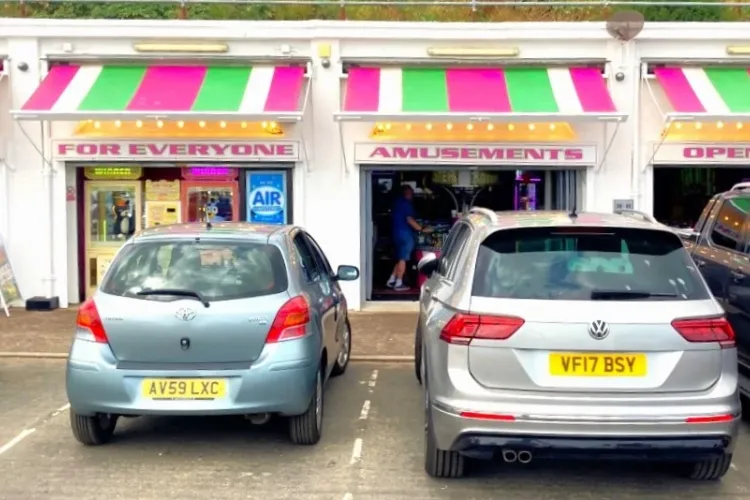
371 449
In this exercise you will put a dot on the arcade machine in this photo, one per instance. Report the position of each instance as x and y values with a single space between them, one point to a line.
210 194
525 192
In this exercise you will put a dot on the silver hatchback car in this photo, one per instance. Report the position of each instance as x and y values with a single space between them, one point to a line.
195 319
582 335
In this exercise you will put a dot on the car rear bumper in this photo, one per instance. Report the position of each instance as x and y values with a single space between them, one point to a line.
281 380
633 448
664 439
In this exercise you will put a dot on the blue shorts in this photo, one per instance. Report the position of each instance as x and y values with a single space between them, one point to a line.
404 246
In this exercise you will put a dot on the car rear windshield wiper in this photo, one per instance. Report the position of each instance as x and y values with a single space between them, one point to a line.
626 295
178 292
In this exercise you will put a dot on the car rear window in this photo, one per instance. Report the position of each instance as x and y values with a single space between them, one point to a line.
584 263
216 270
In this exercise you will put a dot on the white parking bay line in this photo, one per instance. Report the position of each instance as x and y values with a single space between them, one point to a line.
20 437
365 410
373 380
348 496
356 451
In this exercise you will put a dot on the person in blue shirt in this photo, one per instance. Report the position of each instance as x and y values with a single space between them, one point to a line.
405 230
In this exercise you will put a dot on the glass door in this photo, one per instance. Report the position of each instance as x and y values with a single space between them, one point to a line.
210 201
112 215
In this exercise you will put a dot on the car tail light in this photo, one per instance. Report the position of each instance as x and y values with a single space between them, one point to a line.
715 329
89 319
462 328
290 322
714 419
480 415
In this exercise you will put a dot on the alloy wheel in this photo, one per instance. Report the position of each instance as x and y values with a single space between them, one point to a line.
344 354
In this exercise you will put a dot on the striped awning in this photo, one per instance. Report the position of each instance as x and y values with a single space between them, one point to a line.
493 94
74 92
706 93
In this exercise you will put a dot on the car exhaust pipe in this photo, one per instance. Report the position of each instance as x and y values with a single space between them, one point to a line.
524 457
259 418
510 456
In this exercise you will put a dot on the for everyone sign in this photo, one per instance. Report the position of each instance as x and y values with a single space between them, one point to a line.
103 150
476 154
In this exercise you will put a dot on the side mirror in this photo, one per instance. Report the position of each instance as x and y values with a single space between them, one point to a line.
346 273
428 264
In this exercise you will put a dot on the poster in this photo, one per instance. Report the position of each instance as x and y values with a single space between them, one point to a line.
267 197
9 291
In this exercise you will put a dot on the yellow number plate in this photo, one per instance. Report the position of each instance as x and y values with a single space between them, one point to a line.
572 364
183 388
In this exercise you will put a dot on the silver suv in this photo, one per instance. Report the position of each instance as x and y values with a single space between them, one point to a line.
580 335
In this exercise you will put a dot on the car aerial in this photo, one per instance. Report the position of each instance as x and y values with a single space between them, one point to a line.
720 246
581 335
201 319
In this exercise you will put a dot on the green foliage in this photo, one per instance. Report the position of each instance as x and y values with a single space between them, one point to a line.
171 10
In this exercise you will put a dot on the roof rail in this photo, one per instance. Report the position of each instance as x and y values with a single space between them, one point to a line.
636 214
484 211
741 186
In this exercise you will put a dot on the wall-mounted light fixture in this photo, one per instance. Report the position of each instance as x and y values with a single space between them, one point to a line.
738 50
324 53
473 51
206 48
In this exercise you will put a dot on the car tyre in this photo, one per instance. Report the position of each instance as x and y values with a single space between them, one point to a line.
418 355
342 360
710 470
307 428
94 430
437 462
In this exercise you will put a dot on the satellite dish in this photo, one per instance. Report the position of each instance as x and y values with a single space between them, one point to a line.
625 25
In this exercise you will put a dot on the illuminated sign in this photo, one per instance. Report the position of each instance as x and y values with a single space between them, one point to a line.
475 154
210 171
701 154
99 173
139 150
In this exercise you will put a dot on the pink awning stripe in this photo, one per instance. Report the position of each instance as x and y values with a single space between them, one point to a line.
680 93
168 88
51 88
476 89
363 90
592 90
286 88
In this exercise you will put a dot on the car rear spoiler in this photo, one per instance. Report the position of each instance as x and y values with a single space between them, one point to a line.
636 214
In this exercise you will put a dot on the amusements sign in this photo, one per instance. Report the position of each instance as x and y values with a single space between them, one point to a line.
476 154
9 291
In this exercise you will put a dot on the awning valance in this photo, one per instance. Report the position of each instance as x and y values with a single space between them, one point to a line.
710 93
75 92
477 94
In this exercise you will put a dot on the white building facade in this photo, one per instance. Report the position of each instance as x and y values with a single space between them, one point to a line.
127 124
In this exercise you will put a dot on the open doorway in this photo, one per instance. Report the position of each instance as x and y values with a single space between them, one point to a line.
681 193
441 196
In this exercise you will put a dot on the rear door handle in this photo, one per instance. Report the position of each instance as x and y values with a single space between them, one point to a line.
700 262
737 277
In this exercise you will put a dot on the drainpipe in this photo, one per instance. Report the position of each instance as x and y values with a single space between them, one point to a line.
635 154
48 175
